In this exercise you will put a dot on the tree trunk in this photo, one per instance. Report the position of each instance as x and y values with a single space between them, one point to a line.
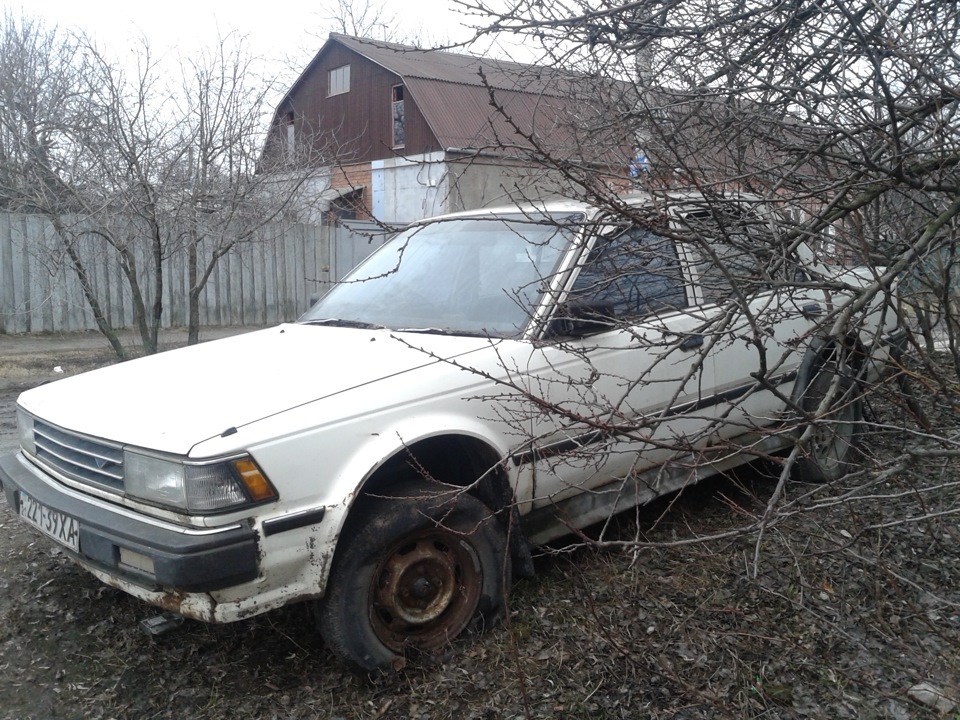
103 325
129 266
193 321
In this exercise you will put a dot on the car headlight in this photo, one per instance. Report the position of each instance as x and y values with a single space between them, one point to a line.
196 487
25 431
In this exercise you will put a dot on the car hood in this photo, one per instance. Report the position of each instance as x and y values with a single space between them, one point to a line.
173 400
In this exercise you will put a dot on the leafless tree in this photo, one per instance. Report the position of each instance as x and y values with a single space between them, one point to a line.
44 106
841 114
378 21
141 166
227 198
362 19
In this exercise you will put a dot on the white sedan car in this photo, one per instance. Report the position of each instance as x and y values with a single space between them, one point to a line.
485 382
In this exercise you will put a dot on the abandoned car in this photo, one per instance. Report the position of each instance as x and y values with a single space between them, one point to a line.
484 383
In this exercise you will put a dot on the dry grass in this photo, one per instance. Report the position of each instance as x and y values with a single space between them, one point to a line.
34 368
828 627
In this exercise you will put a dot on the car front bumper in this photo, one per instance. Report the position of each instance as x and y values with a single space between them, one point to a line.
157 556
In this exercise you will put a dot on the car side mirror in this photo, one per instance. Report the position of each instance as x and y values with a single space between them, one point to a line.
579 318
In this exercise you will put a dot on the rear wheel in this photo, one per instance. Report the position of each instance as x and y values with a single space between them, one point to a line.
412 572
831 451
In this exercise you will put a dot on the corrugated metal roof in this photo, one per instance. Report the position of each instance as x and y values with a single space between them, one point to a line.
476 103
411 62
465 117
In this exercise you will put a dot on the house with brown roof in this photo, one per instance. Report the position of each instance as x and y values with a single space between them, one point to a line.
400 133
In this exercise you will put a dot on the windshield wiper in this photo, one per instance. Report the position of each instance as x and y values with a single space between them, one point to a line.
442 331
338 322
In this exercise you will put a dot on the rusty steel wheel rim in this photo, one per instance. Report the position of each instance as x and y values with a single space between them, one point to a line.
833 433
826 447
425 591
832 438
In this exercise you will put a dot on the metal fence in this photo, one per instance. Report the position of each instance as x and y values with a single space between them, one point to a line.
269 278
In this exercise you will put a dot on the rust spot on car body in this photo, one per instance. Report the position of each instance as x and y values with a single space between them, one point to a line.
173 601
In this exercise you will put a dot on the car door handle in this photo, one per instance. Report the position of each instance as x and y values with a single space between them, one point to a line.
813 309
690 342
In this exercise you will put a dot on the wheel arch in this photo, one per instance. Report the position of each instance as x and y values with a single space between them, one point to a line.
821 349
460 460
829 440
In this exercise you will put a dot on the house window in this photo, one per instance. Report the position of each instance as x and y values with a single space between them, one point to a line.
346 207
396 111
338 80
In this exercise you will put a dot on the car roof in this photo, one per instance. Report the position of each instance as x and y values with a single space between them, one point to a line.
562 206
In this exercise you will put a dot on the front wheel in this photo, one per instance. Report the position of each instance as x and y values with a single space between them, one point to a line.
831 450
412 572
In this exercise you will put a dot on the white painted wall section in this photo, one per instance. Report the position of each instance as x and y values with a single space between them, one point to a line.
405 189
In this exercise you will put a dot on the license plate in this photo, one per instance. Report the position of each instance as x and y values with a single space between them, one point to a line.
52 523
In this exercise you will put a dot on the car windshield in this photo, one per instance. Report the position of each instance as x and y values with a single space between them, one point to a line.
464 276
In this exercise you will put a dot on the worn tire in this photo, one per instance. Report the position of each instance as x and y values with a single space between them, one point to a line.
411 573
832 450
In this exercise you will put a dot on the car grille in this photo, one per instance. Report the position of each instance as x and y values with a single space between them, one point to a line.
78 457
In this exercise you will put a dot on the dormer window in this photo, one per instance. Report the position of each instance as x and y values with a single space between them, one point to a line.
338 80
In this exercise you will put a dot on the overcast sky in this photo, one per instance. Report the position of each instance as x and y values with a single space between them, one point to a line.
275 30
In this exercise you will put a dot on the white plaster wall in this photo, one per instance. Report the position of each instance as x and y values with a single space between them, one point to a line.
409 188
308 200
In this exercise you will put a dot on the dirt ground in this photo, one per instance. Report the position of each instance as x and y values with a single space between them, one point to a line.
838 610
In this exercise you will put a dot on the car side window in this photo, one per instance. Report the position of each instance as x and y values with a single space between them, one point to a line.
631 272
733 251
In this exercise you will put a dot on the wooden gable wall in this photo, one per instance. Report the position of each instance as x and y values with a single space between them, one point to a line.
356 125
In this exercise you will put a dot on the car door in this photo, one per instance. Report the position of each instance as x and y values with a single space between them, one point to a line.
759 314
616 382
